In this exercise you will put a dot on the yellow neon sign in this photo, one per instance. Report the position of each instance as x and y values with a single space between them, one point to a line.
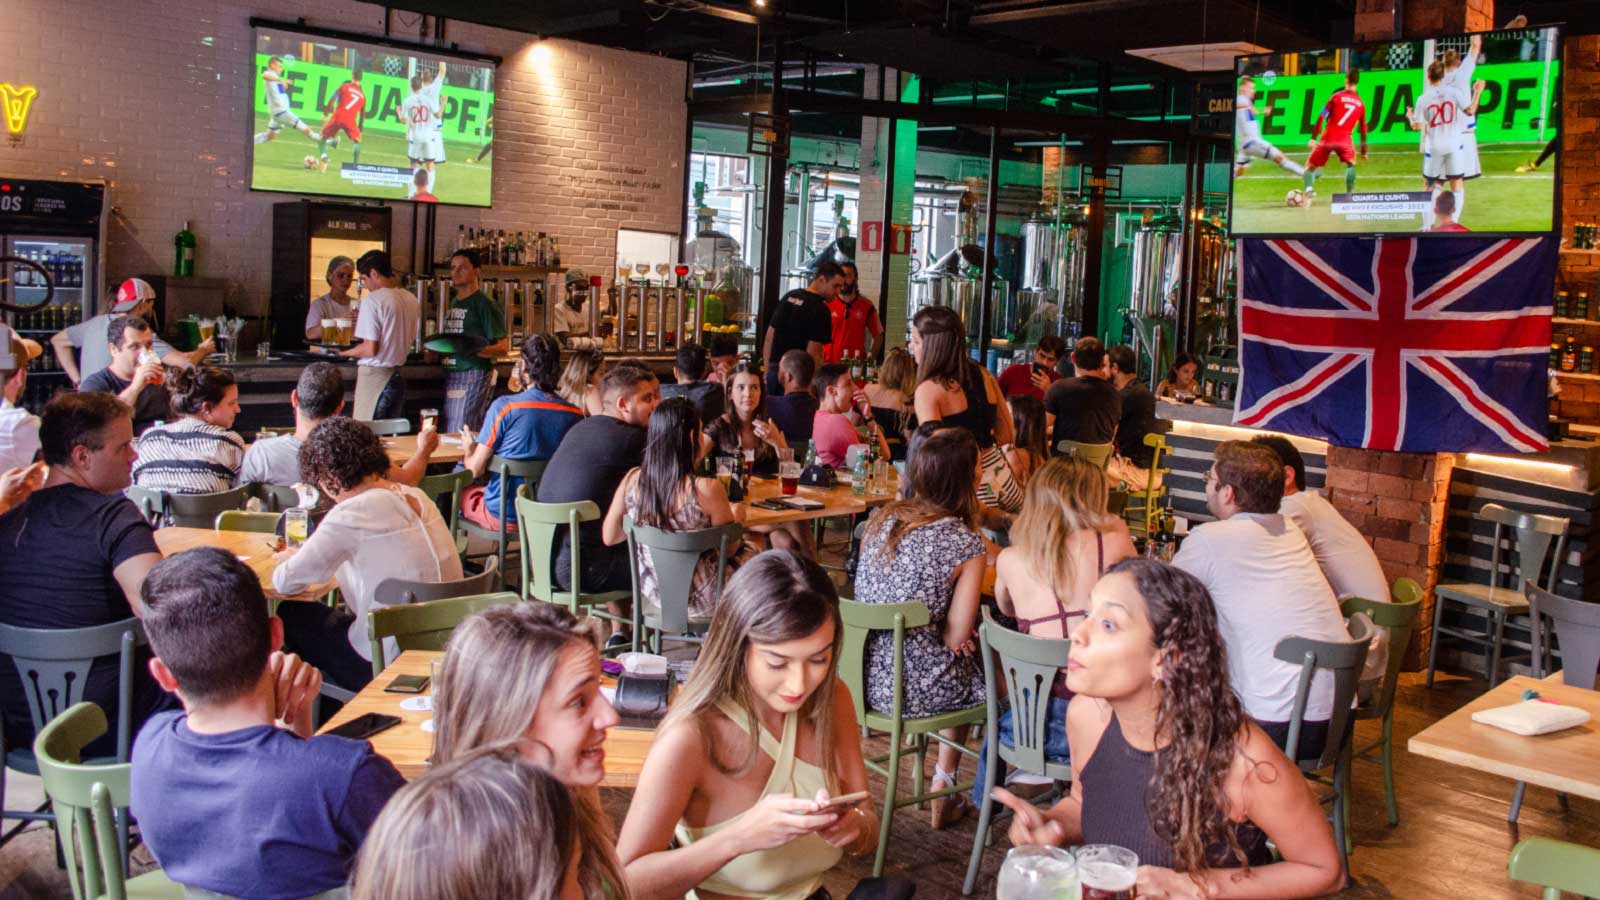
15 101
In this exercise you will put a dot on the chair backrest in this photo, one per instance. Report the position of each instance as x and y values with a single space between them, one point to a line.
1157 442
1534 534
83 798
398 591
1344 660
539 526
1400 617
674 556
1094 454
860 620
1556 866
1028 666
276 497
53 664
387 427
452 483
242 520
188 510
529 470
1577 628
425 626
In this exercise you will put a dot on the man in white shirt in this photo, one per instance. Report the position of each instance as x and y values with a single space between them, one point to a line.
135 297
19 429
1346 559
1267 586
387 327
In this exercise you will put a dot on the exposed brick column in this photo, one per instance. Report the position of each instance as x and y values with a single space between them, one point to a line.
1398 500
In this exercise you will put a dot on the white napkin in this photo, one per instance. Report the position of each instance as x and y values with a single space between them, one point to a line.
1531 717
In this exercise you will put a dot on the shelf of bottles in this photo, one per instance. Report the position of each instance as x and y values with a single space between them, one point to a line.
45 375
499 247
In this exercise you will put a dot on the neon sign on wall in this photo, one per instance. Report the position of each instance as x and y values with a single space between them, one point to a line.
15 102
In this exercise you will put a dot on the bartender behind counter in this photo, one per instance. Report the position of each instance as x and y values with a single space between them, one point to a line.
569 319
336 303
469 379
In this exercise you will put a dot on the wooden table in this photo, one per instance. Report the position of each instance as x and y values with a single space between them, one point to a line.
1567 761
402 447
836 501
256 549
408 746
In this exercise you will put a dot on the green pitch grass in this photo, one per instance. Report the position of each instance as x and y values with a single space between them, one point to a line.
1500 201
279 166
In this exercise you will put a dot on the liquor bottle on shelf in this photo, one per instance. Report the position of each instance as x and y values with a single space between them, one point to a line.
461 237
1569 355
183 244
555 252
1586 359
1555 355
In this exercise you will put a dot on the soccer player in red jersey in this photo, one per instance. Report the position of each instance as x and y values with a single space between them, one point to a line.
1343 113
1444 213
343 113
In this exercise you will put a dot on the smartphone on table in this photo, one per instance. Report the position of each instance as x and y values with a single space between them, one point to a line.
362 727
407 684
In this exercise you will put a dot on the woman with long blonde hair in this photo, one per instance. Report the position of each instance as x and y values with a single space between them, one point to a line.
763 733
891 398
513 831
580 380
1061 544
524 675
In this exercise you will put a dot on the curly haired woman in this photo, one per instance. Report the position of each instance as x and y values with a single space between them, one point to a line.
1166 763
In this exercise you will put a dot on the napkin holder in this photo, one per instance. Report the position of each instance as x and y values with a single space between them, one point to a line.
817 476
642 699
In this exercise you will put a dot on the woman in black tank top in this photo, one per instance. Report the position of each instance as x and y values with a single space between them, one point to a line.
1167 764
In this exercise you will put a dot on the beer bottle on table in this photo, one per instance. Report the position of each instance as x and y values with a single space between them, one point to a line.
736 483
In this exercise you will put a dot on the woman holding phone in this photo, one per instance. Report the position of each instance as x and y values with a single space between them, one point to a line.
758 742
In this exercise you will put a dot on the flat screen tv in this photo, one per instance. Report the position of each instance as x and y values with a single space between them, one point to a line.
348 116
1453 126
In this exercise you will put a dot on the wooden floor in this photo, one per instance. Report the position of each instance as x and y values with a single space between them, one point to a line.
1452 840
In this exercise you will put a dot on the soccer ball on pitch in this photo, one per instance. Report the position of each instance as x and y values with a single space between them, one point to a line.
1294 198
310 162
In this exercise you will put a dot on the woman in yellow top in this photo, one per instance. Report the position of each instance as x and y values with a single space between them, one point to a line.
749 812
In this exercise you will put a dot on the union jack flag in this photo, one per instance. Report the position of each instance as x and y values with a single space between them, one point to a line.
1399 343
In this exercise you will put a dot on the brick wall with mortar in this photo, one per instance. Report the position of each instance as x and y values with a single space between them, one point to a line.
1397 500
153 97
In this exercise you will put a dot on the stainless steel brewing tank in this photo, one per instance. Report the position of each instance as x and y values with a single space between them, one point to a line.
1157 264
725 272
958 292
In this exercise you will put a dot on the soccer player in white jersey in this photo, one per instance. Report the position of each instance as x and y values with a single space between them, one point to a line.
422 114
1442 114
1458 71
1248 128
279 115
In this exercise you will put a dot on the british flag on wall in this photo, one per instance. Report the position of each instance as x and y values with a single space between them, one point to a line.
1398 343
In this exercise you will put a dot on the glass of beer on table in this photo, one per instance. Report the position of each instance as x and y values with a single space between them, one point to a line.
1107 872
789 477
725 471
296 525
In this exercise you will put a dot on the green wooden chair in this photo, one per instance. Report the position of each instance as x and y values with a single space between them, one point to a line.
275 497
1502 597
387 427
1400 617
1028 666
1096 455
906 735
1144 507
449 484
1556 866
674 556
188 510
1344 661
538 529
425 626
85 799
255 522
530 471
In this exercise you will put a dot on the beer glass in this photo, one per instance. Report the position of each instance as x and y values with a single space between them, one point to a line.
208 330
725 472
345 329
330 331
789 477
429 418
1037 873
296 525
1107 872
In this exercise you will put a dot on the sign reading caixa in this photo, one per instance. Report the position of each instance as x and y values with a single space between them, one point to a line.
16 100
1213 108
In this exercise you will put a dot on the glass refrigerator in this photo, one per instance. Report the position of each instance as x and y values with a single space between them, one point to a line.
60 226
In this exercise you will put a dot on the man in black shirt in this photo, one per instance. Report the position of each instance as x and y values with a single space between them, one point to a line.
76 554
689 377
1086 406
794 408
136 382
589 465
1131 465
802 321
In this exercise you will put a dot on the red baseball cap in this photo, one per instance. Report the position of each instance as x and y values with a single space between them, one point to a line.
131 293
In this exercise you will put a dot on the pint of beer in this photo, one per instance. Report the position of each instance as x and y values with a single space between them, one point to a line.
346 329
329 334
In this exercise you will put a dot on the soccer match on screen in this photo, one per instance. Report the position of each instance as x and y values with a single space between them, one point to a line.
1441 136
363 120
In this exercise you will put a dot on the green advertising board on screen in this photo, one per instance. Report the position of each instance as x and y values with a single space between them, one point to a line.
339 115
1366 139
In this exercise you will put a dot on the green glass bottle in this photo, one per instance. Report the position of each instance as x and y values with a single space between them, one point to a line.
183 252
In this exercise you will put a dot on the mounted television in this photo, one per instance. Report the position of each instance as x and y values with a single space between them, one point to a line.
351 116
1453 127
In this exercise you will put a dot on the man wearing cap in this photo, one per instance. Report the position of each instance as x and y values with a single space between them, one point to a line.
469 378
19 429
570 317
135 297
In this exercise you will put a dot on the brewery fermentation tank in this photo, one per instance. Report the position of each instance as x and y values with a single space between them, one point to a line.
715 260
1050 302
1157 265
952 281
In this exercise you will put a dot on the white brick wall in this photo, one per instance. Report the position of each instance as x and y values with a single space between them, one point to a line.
153 98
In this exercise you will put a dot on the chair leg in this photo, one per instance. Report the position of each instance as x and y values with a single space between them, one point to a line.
917 763
979 837
889 791
1346 766
1340 776
1516 802
1388 769
1433 644
1499 621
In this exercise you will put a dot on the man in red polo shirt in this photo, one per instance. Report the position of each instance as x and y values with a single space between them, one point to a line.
1032 379
853 317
